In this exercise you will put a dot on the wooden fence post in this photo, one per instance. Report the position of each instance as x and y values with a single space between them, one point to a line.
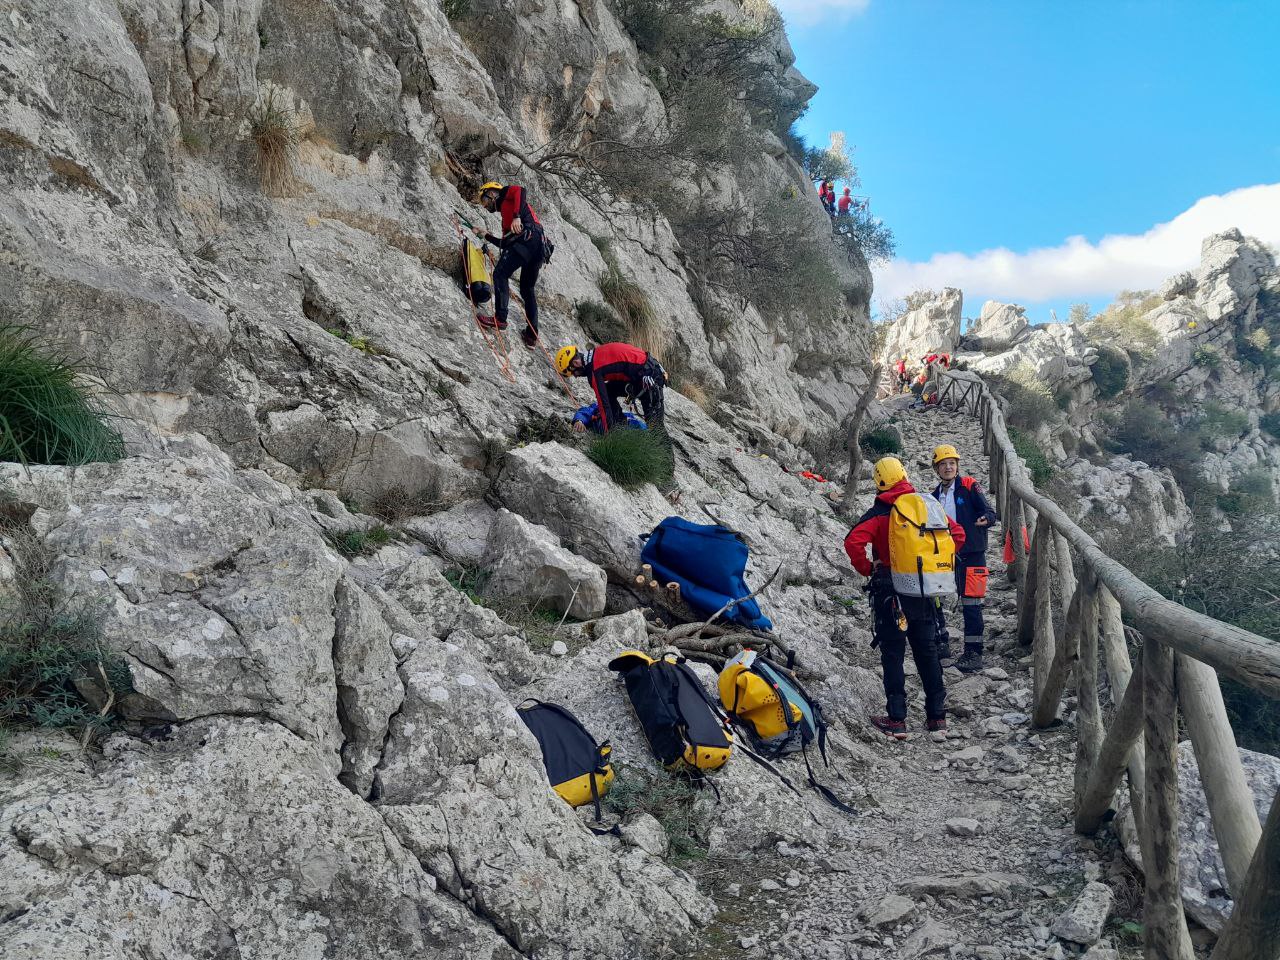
1051 677
1028 602
1119 671
1066 569
1122 736
1165 925
1253 932
1231 809
1088 713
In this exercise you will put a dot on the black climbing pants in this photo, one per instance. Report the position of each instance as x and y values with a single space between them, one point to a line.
970 607
651 399
921 635
527 258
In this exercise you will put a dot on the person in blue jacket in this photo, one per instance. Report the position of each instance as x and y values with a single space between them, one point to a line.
967 505
588 418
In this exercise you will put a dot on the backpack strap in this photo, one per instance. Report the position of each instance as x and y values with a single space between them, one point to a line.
825 792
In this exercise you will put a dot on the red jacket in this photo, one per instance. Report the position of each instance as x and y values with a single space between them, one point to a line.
611 363
845 203
512 203
873 529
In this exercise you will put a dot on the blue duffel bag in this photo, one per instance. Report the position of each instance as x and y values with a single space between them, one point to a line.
709 562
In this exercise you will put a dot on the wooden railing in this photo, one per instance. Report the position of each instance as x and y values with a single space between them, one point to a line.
1176 670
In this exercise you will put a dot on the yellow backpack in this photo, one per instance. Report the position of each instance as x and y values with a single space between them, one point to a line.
922 555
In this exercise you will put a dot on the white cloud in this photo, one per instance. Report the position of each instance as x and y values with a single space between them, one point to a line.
1078 268
809 12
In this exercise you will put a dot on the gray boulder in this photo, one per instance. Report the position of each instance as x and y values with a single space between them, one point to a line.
1125 495
999 325
932 327
1084 920
524 560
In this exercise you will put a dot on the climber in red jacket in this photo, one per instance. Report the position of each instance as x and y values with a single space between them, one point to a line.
522 245
846 202
919 613
617 370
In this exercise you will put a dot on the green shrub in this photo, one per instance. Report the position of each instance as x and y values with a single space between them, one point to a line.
1220 421
456 9
1250 493
873 239
644 329
1270 422
1110 371
880 442
600 322
1207 357
46 414
47 645
634 457
667 799
1030 402
1123 326
1146 434
358 542
1037 461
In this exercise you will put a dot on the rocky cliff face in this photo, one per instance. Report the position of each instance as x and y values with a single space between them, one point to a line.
320 755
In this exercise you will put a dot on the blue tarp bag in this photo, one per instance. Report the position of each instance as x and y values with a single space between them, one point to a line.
709 562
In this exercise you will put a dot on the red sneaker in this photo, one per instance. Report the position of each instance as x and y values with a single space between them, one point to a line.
890 727
489 322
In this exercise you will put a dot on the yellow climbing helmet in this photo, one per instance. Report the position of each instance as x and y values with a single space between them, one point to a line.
889 472
944 451
564 357
491 185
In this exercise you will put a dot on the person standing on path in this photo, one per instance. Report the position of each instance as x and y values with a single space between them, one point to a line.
967 505
522 249
899 619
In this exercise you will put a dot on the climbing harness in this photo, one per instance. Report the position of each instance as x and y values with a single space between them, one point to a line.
497 346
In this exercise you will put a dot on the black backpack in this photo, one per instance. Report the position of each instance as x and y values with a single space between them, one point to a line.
577 766
685 729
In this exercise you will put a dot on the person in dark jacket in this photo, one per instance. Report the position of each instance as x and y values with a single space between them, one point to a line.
899 619
521 244
616 371
967 505
588 418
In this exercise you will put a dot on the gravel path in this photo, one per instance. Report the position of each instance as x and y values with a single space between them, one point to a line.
963 848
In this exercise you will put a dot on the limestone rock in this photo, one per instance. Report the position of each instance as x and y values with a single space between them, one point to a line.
459 534
645 832
1085 919
966 886
932 327
525 560
232 835
1124 494
929 939
963 827
888 910
999 325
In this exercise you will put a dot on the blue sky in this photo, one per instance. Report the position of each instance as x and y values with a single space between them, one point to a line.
988 134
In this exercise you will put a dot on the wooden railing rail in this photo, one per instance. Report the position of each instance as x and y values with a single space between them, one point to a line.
1180 655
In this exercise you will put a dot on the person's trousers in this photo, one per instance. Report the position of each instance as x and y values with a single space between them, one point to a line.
970 607
651 400
921 635
527 258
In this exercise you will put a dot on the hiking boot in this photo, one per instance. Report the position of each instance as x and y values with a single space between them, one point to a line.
937 729
890 727
945 659
970 662
530 337
490 323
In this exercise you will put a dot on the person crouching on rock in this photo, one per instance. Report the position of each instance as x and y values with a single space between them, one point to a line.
899 618
967 505
617 371
522 249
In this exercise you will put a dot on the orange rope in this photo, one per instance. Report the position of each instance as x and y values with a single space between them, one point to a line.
537 337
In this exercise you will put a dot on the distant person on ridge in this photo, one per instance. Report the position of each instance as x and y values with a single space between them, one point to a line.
899 617
522 249
616 371
846 202
967 505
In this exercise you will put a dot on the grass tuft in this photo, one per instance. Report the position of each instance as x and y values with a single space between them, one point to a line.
634 457
46 414
274 129
644 330
359 542
667 799
880 442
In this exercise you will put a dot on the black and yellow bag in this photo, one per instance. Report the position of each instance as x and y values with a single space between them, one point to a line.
475 273
577 766
685 729
779 715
